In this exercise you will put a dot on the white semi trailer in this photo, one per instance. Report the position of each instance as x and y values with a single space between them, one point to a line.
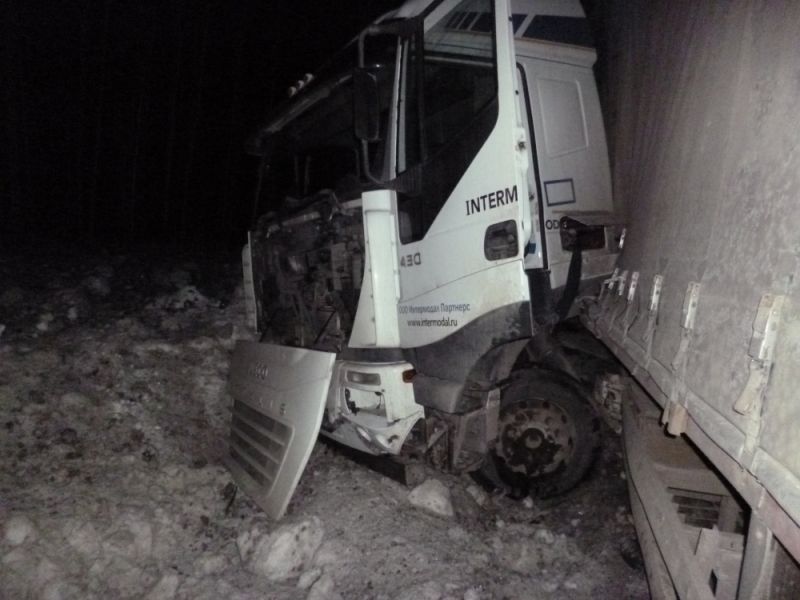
438 196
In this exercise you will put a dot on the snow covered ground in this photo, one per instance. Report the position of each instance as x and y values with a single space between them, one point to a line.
113 418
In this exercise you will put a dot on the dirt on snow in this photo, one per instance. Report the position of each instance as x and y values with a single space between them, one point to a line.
113 420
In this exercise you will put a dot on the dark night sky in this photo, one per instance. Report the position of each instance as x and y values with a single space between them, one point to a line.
125 121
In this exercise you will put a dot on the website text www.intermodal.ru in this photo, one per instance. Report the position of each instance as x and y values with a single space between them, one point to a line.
446 322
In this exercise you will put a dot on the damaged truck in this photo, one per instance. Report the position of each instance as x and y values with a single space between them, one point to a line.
437 206
437 198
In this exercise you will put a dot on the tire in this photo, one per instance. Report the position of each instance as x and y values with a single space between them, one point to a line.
548 435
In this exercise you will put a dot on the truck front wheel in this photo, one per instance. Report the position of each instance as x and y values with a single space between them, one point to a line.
547 435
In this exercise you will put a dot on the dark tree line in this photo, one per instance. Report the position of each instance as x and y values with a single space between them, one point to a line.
127 120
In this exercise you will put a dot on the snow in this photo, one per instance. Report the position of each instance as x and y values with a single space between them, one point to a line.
432 495
478 494
44 322
284 553
98 284
324 589
114 418
18 529
165 588
307 579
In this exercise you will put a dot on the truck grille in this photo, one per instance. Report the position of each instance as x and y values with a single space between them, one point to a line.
258 443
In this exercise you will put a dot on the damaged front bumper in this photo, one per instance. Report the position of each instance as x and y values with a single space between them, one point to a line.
371 406
283 397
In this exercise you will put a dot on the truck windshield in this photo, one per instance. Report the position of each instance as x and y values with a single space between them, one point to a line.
450 109
317 152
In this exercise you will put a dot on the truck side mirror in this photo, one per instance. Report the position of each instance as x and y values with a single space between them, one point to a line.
366 105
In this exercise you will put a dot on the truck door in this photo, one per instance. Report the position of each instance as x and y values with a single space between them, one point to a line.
570 148
462 190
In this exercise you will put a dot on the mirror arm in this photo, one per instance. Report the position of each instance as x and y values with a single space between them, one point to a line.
399 27
365 163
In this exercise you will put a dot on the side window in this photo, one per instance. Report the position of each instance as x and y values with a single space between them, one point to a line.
453 95
563 116
450 92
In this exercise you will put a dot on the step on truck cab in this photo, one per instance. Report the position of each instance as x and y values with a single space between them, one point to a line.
433 199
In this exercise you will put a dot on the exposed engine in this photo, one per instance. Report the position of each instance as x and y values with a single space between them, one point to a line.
307 273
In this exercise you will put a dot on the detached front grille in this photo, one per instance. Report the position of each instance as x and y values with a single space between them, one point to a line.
258 443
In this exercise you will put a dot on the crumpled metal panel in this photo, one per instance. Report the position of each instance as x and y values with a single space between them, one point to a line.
279 396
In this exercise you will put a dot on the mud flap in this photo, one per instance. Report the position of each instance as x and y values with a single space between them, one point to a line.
279 396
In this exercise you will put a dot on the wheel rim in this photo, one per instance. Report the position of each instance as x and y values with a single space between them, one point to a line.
536 437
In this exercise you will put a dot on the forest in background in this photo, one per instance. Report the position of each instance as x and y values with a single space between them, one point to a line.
125 122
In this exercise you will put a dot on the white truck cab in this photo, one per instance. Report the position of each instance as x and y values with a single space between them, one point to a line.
437 197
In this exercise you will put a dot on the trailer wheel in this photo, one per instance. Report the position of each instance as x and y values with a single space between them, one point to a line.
548 435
